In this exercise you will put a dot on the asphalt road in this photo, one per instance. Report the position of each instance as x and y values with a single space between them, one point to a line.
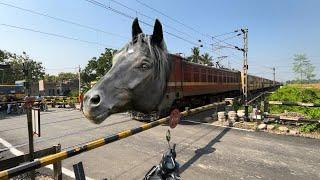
203 151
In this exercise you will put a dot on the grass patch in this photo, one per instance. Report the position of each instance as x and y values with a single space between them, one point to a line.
296 94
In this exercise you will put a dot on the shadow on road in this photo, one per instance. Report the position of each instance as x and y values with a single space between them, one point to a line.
205 150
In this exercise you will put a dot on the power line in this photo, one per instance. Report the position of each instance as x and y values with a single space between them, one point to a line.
148 17
223 34
183 24
131 17
224 40
62 20
173 19
56 35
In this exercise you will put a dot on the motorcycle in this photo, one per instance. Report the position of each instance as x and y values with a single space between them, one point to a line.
168 168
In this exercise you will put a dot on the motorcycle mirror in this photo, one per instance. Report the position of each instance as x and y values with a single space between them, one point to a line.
168 136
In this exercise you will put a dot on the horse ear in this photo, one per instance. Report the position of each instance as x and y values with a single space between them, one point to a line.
157 36
135 28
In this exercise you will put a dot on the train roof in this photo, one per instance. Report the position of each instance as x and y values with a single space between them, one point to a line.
204 66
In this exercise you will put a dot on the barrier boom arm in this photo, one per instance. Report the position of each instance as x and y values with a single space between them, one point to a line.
46 160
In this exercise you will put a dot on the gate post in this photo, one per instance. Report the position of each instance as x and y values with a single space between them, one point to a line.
78 171
30 135
57 167
246 112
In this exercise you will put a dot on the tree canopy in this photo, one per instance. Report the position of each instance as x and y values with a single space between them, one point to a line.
197 57
303 68
17 63
97 67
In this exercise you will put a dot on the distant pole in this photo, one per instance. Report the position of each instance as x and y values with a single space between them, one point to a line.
245 69
274 75
79 80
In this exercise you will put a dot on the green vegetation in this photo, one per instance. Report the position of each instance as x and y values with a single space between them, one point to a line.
303 68
17 63
296 94
97 68
61 76
308 128
196 57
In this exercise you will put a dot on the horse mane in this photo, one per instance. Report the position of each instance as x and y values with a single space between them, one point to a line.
158 53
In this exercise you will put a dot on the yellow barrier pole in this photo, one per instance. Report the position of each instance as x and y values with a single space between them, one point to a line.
50 159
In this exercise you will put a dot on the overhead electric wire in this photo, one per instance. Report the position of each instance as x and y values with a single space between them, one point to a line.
99 30
151 18
224 34
183 24
63 20
224 41
173 19
97 3
56 35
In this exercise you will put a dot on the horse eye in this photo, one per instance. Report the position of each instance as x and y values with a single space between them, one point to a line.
144 66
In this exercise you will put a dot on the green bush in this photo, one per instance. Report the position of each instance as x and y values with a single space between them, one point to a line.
307 128
295 94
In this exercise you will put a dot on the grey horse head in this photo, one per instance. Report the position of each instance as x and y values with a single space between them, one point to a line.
137 80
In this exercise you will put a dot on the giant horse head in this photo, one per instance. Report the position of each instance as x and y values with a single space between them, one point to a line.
137 80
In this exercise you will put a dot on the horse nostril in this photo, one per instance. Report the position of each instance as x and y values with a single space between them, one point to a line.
95 99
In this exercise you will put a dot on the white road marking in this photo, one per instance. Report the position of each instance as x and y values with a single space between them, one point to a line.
248 130
16 152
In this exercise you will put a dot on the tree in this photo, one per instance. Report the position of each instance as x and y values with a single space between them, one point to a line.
303 68
17 64
97 67
66 76
195 57
206 59
50 78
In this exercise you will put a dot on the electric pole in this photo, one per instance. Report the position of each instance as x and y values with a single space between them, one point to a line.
274 76
245 70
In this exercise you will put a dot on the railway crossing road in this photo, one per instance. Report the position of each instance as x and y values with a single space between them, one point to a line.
203 151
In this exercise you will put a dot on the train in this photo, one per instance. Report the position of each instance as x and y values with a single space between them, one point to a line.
192 85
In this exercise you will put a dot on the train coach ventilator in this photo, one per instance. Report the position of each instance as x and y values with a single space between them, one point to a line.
50 159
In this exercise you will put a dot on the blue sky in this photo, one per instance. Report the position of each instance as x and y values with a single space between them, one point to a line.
277 30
